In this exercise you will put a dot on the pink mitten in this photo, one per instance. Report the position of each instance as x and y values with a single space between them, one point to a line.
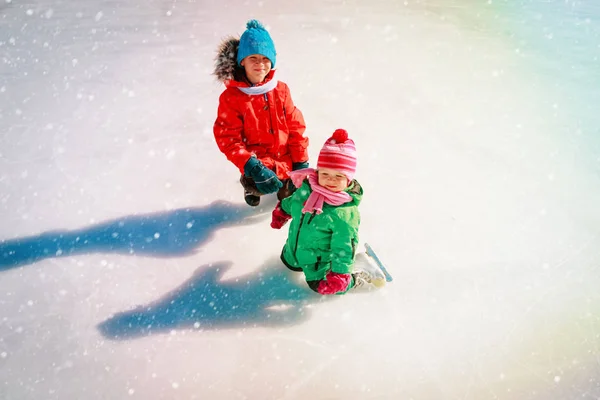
280 217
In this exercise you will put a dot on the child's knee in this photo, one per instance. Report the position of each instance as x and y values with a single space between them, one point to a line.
287 264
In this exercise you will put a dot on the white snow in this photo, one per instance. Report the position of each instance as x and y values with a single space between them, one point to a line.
130 267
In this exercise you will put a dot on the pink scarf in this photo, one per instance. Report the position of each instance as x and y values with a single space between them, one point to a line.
319 194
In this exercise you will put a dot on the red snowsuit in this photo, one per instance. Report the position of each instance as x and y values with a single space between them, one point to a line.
268 125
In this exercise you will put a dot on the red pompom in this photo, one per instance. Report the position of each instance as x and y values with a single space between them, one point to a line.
340 136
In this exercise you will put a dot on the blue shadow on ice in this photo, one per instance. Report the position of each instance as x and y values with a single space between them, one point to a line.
206 302
164 234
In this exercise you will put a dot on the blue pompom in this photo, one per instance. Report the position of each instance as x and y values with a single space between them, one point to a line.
254 24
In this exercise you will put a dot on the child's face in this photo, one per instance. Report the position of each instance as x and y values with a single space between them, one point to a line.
257 67
332 179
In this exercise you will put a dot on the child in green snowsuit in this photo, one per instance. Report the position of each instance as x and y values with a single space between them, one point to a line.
323 234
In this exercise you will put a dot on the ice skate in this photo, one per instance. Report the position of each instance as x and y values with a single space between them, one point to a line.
366 272
251 194
371 253
251 199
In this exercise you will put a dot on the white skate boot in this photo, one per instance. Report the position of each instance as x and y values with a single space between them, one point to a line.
366 272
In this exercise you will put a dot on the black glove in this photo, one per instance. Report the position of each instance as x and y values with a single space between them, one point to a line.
266 181
299 165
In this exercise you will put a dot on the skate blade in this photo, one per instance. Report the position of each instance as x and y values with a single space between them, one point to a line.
371 253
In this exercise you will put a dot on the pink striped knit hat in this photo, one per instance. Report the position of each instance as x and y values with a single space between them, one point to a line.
339 153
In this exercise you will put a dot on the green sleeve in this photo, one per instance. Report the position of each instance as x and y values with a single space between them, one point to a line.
286 204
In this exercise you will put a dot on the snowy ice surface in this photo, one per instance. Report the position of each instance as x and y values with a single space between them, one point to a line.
130 267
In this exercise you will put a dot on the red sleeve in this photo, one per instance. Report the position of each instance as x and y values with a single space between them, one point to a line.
228 132
297 142
334 283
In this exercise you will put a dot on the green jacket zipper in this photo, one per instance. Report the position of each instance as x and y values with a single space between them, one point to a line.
298 237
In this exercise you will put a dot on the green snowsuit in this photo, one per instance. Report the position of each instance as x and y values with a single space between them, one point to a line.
319 243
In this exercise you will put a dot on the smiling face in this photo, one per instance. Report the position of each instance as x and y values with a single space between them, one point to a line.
257 67
332 179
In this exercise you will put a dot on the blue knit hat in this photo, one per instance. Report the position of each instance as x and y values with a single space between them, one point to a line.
256 40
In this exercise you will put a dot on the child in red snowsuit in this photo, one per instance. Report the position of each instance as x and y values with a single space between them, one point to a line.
258 127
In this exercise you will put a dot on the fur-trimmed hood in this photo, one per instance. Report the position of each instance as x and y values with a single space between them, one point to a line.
226 66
